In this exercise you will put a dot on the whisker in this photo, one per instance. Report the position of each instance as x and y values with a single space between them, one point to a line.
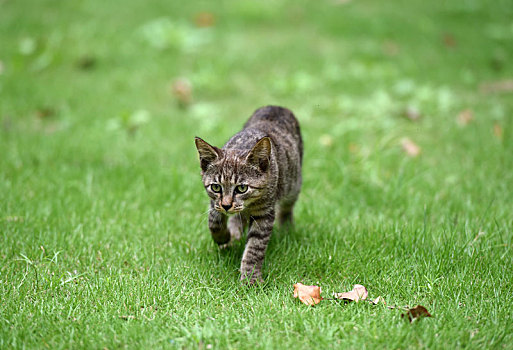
204 217
241 223
255 222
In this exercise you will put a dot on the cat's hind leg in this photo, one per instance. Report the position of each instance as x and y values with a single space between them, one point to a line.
285 211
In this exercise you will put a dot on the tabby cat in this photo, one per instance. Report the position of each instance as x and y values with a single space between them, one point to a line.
253 179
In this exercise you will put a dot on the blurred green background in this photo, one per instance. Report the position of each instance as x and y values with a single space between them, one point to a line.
406 112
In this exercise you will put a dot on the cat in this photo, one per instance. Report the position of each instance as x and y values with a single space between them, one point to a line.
253 179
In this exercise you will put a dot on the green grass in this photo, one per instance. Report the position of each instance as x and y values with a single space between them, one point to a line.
103 232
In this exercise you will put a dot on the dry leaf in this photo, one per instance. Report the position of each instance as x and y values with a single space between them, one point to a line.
410 147
204 19
497 131
354 148
182 90
358 293
412 113
448 40
465 117
309 295
378 300
418 311
45 112
497 86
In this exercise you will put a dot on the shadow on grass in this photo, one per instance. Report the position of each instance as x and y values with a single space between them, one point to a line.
283 256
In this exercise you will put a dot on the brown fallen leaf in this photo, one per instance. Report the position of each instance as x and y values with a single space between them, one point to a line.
465 117
410 147
418 311
353 148
204 19
45 112
182 90
497 131
358 293
412 113
449 40
309 295
495 87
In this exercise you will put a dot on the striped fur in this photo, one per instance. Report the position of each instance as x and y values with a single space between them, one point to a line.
253 179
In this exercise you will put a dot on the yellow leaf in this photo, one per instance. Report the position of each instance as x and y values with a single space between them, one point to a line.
309 295
410 147
358 293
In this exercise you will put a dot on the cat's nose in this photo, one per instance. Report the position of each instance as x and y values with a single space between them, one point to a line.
226 206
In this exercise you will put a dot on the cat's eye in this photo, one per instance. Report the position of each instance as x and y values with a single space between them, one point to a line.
215 188
241 188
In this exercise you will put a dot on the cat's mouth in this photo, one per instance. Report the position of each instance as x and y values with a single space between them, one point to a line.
230 211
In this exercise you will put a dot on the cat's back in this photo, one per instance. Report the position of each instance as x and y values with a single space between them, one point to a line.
278 123
275 119
282 127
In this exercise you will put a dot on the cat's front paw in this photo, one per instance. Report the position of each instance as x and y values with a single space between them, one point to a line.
226 245
234 238
221 237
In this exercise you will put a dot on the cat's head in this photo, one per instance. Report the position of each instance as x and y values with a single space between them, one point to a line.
234 179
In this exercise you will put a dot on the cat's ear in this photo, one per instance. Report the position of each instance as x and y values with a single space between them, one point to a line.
260 155
207 153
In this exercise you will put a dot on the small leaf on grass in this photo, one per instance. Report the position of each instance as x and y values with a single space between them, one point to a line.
45 112
378 300
497 131
412 113
204 19
410 147
309 295
465 117
418 311
354 148
449 40
182 91
358 293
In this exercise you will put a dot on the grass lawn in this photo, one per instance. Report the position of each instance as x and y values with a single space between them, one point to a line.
103 228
